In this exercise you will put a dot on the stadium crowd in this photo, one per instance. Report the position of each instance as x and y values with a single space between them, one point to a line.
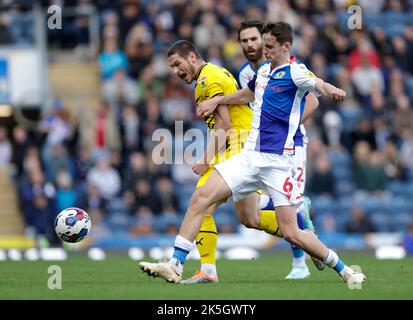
360 154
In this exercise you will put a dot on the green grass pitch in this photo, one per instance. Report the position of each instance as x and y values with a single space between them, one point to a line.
118 277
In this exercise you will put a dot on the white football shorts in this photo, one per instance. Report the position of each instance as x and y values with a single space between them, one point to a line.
300 163
250 170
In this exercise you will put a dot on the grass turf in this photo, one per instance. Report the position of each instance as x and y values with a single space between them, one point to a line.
117 277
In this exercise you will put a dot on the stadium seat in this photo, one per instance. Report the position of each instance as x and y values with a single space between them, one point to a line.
345 204
372 20
397 188
345 188
350 117
401 220
118 223
323 205
382 221
400 205
372 204
117 206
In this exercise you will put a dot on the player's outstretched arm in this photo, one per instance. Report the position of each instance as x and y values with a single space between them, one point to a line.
311 106
327 89
207 107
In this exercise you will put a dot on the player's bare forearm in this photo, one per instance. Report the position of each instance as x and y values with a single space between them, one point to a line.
311 106
207 107
328 89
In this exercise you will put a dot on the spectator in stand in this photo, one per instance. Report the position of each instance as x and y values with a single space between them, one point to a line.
144 223
119 90
21 143
137 169
105 177
177 103
280 10
83 164
369 172
93 201
332 129
406 149
31 163
5 34
130 131
152 120
143 197
359 222
149 84
139 49
363 132
66 195
57 129
99 130
59 161
168 198
393 163
322 182
403 117
364 53
209 31
5 148
111 59
43 213
35 186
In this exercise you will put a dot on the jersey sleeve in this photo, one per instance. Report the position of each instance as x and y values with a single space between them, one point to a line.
251 84
303 78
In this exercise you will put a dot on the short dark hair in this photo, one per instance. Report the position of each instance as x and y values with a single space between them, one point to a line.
183 48
250 24
282 31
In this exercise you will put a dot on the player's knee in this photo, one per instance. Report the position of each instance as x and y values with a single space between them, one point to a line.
200 197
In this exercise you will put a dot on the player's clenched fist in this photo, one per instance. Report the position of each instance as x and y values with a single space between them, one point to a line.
205 108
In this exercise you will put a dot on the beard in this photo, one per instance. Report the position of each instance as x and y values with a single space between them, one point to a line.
253 57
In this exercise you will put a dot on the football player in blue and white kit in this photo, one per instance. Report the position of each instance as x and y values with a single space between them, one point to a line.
249 36
278 88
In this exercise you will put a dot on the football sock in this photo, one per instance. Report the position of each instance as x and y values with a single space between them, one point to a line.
298 253
181 249
268 222
206 241
304 208
333 261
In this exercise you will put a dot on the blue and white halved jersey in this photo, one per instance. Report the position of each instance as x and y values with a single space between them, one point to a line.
279 104
245 74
